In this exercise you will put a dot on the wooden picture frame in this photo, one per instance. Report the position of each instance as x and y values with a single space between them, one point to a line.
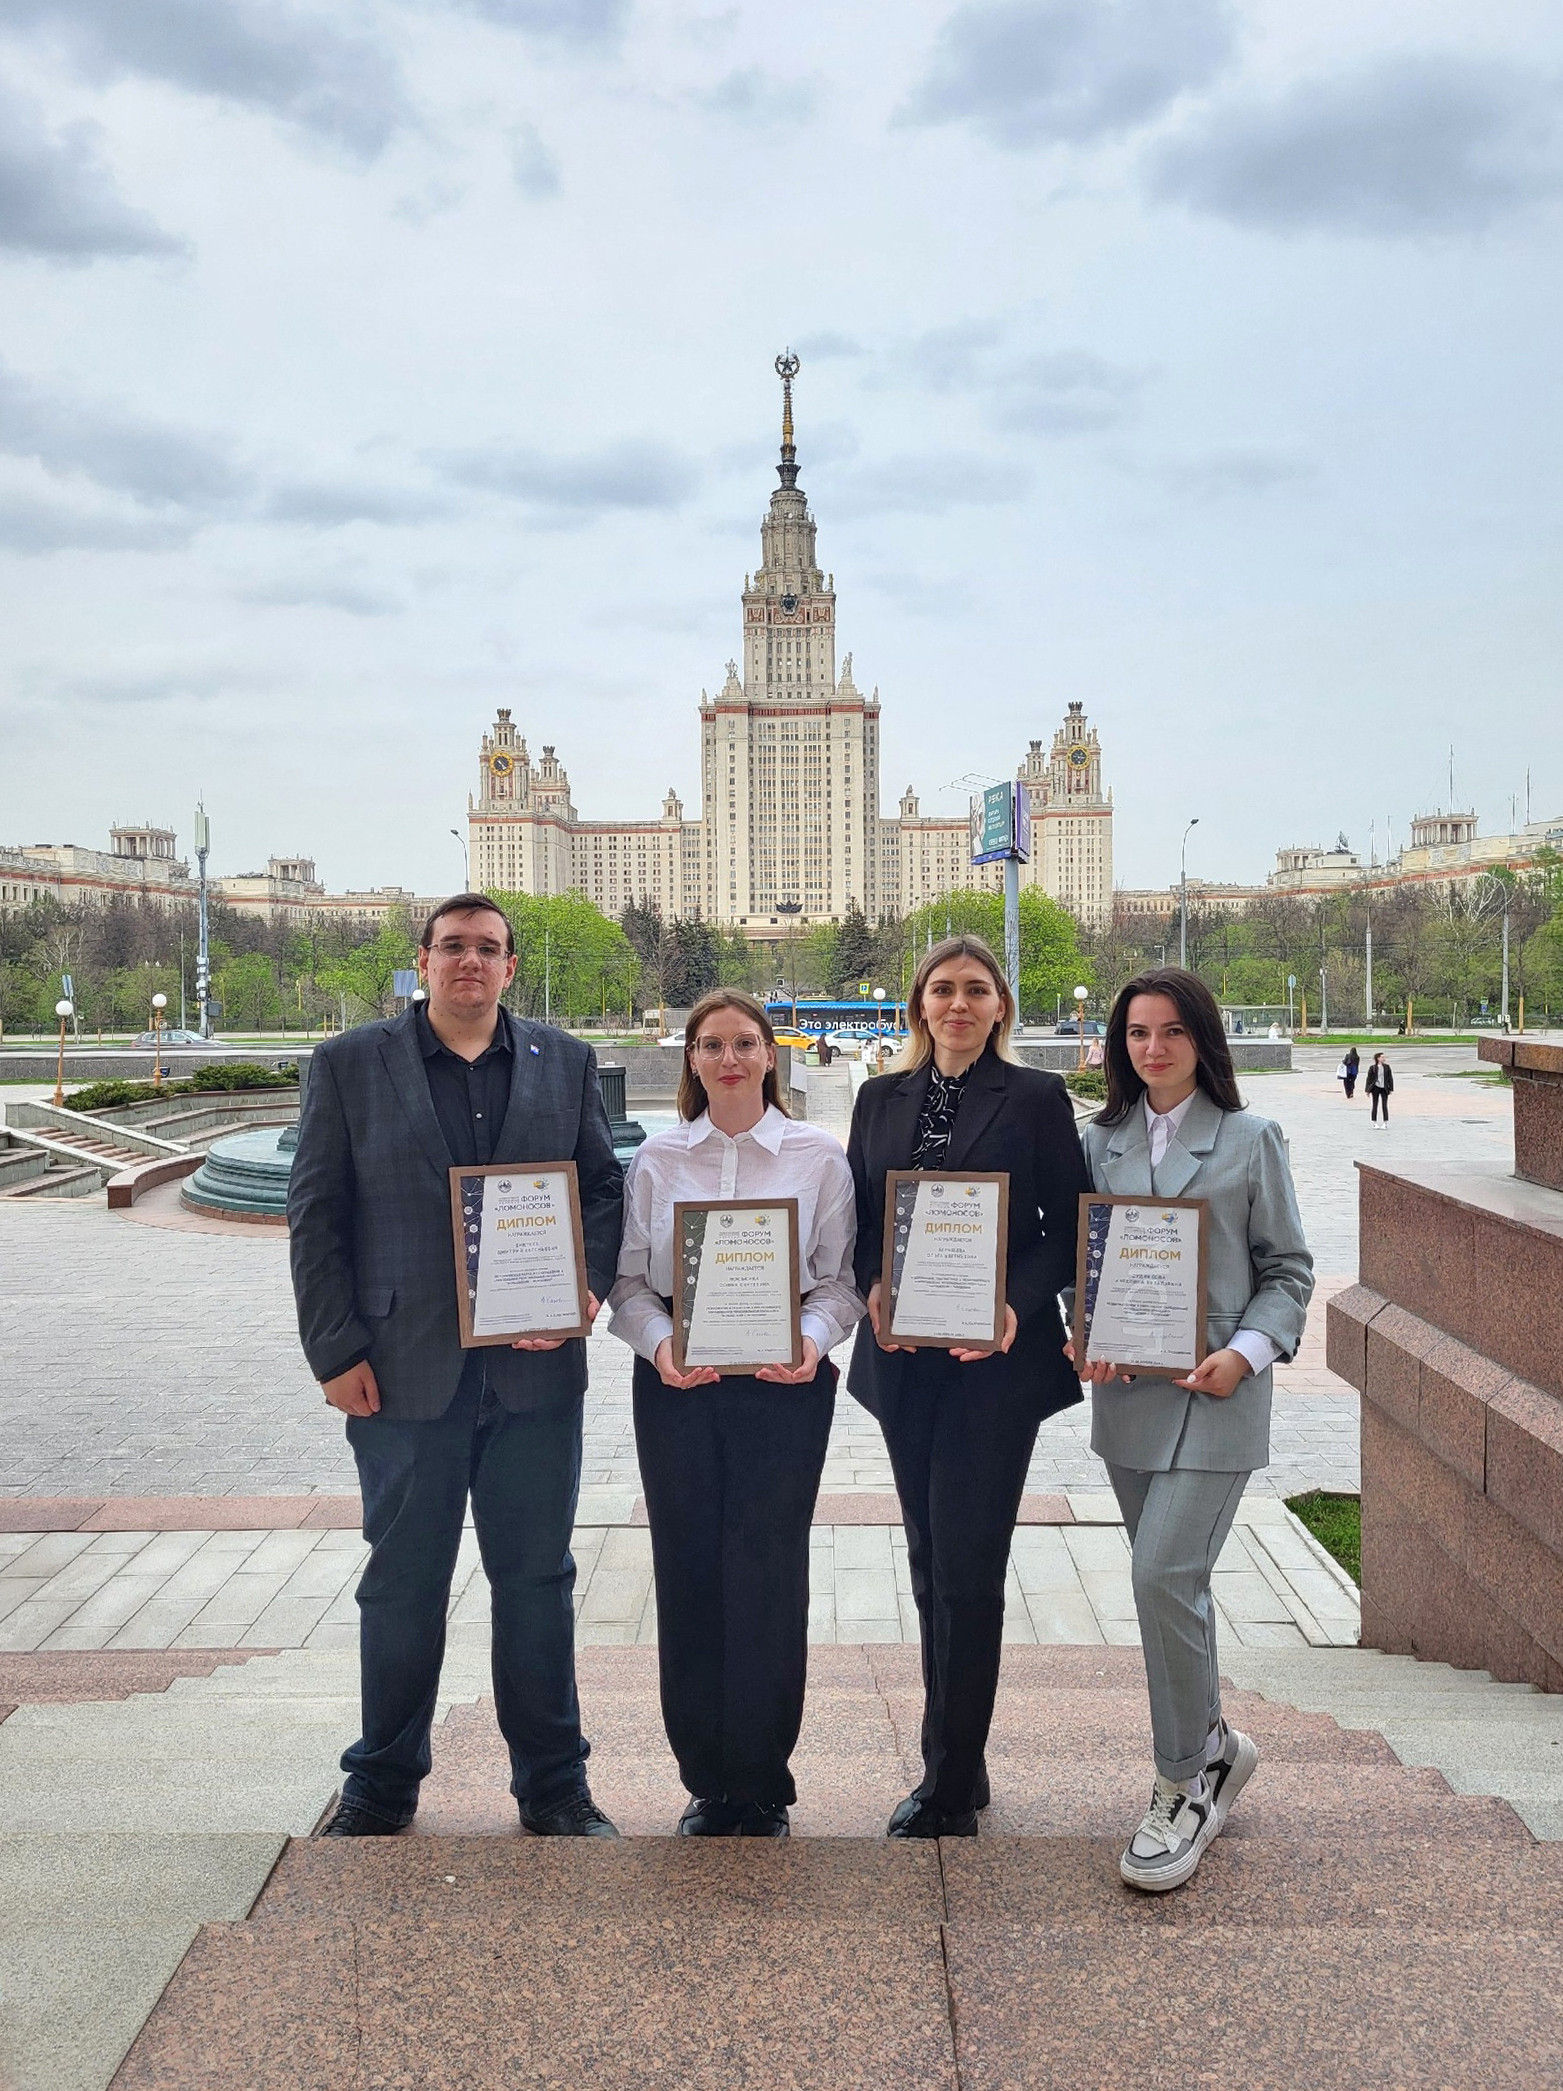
687 1265
1079 1332
466 1253
888 1282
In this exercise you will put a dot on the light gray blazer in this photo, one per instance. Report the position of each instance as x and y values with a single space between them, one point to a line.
1259 1276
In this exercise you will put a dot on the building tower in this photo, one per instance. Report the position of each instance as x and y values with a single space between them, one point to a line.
789 752
1071 820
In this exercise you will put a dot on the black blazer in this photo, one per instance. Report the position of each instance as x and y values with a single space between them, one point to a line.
1380 1077
1014 1118
374 1263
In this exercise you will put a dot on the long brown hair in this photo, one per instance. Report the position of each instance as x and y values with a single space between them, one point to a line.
918 1050
1202 1020
692 1098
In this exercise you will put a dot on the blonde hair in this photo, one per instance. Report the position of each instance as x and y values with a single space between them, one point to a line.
918 1050
692 1098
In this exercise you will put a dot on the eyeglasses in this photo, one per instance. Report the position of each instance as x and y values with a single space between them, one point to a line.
712 1049
452 947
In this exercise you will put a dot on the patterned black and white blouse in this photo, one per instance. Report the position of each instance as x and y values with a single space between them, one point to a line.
936 1121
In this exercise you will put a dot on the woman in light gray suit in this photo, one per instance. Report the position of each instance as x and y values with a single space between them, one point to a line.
1179 1451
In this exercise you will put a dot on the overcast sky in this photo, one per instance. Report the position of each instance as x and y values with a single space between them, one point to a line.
365 367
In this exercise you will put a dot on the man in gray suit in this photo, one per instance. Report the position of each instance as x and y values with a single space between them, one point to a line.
389 1109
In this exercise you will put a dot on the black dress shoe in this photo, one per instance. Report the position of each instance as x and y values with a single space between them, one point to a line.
758 1820
919 1818
351 1820
712 1818
579 1816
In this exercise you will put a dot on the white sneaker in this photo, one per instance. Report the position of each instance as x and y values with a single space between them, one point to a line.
1228 1773
1170 1842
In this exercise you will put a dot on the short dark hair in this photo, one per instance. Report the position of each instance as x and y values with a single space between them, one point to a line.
467 904
1197 1007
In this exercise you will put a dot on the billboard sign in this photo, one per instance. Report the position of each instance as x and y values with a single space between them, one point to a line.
1001 824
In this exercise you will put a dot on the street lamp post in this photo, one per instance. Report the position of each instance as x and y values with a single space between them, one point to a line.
879 1026
1183 895
466 862
203 942
1081 996
1324 1001
64 1011
159 1004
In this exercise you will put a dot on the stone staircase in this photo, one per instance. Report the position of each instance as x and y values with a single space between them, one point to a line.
1359 1922
31 1167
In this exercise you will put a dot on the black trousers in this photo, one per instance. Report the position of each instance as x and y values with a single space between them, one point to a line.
730 1474
959 1450
1380 1102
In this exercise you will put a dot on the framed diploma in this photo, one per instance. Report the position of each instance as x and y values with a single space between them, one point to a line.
1140 1282
736 1302
946 1241
520 1253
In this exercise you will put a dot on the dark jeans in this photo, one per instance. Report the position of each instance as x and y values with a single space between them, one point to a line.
1380 1103
731 1473
959 1449
523 1473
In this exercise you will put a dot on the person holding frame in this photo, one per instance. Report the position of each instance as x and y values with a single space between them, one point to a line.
1179 1449
960 1422
731 1461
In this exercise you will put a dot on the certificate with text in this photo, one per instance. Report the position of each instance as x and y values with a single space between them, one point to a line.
520 1252
1140 1282
946 1247
736 1301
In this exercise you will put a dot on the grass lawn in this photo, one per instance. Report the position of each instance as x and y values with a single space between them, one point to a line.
1336 1523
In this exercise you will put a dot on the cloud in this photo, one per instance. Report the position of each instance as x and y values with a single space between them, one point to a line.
56 196
565 490
533 166
757 96
1401 147
1047 72
1043 392
927 483
264 54
320 591
33 527
328 504
829 348
569 21
155 465
1227 472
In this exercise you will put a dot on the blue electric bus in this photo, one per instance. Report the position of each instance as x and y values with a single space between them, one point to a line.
856 1015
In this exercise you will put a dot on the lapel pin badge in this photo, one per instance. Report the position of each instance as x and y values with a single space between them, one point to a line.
532 1050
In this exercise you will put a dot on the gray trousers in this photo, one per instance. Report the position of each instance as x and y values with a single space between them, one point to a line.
1177 1523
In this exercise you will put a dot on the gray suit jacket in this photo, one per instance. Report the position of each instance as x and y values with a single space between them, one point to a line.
369 1209
1259 1276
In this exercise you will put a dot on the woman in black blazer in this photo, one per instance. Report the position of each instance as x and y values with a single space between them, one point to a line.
960 1424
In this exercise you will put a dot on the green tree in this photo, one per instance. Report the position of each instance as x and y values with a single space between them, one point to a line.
855 951
1052 964
247 989
365 973
572 962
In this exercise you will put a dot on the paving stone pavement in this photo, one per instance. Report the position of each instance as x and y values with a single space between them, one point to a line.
1274 1586
140 1360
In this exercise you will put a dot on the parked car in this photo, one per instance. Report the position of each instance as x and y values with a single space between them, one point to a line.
177 1038
1069 1028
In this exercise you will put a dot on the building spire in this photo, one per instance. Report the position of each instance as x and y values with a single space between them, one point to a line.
787 367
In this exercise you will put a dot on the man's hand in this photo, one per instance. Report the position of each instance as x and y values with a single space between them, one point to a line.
794 1375
668 1372
1222 1373
975 1357
354 1392
593 1304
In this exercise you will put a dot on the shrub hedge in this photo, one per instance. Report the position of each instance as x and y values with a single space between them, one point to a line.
206 1081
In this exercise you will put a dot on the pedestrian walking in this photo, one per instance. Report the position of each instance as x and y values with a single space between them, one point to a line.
390 1108
1346 1073
1179 1451
960 1424
1380 1085
731 1462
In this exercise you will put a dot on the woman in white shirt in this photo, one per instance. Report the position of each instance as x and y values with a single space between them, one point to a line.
731 1463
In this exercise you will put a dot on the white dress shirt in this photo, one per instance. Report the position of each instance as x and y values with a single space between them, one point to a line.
778 1158
1160 1127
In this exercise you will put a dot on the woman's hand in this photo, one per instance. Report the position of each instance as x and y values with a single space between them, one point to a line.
1222 1373
873 1320
557 1342
1098 1371
975 1357
670 1376
794 1375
